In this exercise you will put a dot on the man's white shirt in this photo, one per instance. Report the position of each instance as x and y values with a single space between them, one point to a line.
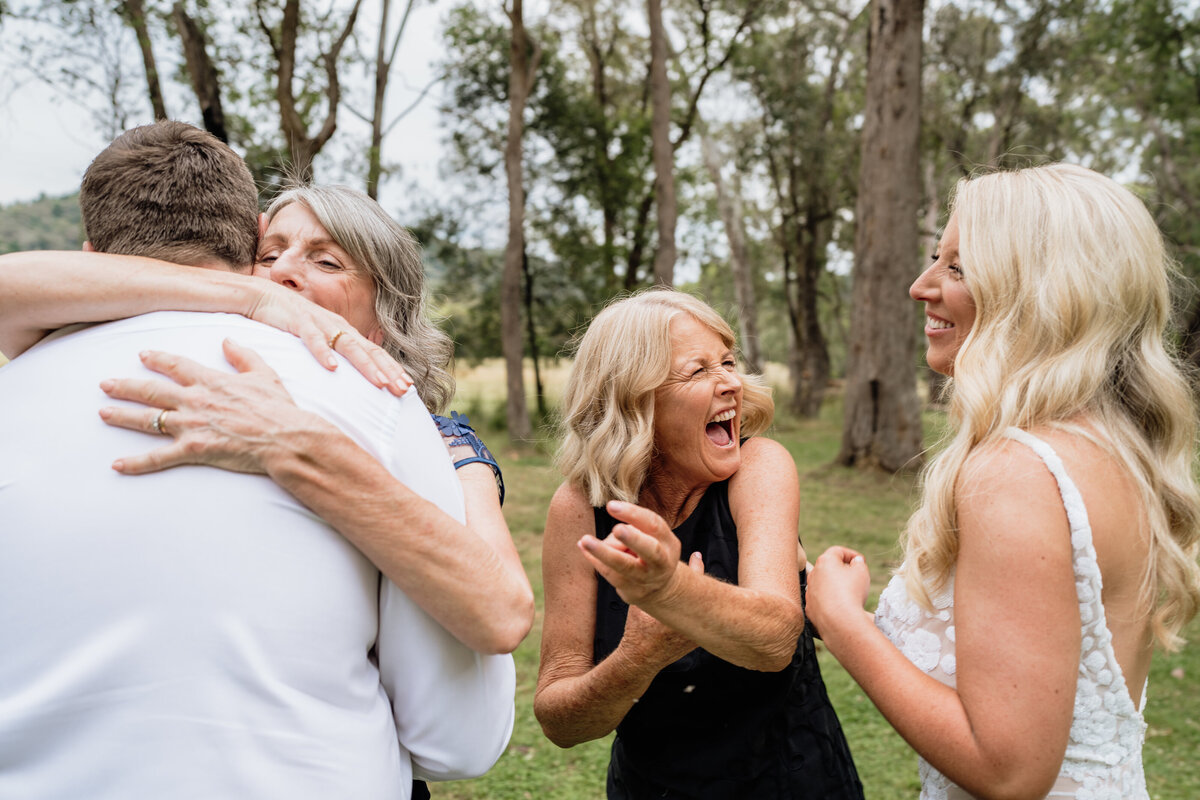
198 633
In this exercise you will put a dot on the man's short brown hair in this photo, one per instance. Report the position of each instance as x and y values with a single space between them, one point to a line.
171 191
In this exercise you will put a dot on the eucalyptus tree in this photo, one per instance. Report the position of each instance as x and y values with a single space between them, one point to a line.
267 76
995 91
524 55
992 97
387 45
586 155
84 51
802 67
732 212
1144 69
600 131
664 153
202 72
882 426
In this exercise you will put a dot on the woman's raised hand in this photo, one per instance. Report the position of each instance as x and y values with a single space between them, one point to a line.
838 585
641 555
324 332
216 418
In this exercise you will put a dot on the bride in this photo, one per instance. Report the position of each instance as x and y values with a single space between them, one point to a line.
1057 537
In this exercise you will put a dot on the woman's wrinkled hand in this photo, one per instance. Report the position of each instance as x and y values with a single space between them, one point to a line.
838 585
640 558
317 327
214 418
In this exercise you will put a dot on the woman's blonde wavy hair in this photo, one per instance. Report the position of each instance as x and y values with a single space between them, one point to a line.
392 258
1071 284
608 407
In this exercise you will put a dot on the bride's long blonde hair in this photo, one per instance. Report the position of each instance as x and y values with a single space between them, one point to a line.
1071 284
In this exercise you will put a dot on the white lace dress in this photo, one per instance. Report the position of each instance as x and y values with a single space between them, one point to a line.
1104 754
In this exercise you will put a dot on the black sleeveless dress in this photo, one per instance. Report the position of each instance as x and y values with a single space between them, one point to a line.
709 729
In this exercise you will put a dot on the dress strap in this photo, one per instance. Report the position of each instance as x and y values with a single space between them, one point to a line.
1077 517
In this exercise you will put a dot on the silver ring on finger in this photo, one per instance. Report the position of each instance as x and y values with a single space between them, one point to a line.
159 423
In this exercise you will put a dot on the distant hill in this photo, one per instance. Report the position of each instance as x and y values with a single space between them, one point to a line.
48 223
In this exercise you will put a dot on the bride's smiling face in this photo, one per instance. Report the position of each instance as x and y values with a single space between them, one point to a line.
297 252
949 307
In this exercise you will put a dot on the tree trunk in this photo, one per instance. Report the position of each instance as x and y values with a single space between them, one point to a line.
303 147
810 363
597 52
803 235
134 12
634 263
202 72
882 426
382 68
522 68
384 58
664 151
539 390
729 205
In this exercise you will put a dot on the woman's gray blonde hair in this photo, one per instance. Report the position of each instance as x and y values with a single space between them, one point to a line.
608 405
1071 284
392 258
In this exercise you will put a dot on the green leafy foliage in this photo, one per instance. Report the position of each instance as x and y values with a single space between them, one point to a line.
48 223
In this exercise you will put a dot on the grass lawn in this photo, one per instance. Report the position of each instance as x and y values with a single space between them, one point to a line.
864 511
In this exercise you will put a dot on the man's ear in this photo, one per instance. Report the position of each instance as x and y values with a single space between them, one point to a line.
262 225
87 247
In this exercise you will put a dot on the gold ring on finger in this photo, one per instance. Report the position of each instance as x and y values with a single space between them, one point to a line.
333 339
158 424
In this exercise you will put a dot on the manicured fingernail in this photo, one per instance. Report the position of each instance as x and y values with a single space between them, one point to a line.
106 385
384 380
331 362
119 465
106 412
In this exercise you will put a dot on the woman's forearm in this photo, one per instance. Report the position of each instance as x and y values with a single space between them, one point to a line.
754 624
43 291
752 628
573 709
930 716
453 573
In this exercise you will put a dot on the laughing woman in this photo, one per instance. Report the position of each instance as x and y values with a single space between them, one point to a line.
670 561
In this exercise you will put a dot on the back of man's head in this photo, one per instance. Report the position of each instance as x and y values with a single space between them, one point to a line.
171 191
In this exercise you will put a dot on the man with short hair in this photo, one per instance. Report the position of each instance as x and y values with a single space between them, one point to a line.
197 632
171 191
